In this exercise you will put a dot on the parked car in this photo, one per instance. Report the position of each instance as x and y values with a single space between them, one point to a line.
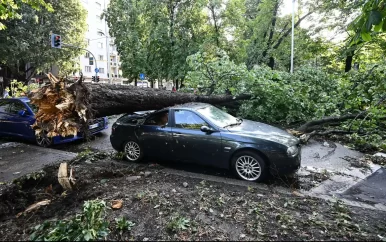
18 114
202 133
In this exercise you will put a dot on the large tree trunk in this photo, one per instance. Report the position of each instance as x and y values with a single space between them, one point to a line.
64 110
348 64
107 100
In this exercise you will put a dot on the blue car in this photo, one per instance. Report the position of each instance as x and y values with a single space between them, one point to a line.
18 114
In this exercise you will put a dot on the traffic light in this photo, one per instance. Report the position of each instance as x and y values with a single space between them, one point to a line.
97 79
93 78
91 61
56 41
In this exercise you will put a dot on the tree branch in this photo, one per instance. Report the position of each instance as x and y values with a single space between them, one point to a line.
305 127
289 30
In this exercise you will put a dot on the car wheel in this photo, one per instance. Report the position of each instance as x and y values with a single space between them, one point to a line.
43 140
133 151
249 166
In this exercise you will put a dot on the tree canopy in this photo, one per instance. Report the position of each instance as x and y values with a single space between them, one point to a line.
10 9
27 39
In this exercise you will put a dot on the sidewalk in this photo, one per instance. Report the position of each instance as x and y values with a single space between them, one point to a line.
18 159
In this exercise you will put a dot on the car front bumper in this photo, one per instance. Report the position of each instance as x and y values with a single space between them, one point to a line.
285 165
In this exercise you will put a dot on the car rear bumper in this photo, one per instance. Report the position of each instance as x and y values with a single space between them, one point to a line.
95 126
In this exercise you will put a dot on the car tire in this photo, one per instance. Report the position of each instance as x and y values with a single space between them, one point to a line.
43 140
133 151
249 166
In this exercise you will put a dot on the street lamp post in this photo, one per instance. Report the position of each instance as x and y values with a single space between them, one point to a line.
107 47
292 37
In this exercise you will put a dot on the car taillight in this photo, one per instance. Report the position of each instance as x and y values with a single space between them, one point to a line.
113 128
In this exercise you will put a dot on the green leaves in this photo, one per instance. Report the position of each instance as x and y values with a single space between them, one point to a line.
365 36
213 72
178 223
8 8
26 40
372 19
90 225
156 36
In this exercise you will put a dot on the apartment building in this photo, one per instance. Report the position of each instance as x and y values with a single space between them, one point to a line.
101 45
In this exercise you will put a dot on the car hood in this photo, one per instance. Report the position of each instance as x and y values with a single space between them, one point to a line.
264 131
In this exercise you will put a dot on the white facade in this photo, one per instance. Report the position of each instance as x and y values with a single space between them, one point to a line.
100 45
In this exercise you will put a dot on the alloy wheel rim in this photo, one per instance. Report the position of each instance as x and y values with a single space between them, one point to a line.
132 151
248 168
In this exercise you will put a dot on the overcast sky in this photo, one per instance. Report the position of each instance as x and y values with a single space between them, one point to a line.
286 9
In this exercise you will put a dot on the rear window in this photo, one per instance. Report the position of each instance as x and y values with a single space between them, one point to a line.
131 119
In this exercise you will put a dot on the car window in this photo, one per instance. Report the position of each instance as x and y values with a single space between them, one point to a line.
16 107
188 120
217 116
4 106
33 107
159 119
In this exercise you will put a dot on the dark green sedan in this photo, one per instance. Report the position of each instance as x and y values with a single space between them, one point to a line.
203 134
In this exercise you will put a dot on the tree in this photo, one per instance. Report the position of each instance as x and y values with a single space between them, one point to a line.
8 9
371 21
213 72
27 40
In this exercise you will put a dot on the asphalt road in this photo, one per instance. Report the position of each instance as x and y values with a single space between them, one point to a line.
18 159
370 190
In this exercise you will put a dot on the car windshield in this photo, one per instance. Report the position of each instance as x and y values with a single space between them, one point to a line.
218 117
33 107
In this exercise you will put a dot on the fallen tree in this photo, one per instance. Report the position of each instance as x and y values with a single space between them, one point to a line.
65 108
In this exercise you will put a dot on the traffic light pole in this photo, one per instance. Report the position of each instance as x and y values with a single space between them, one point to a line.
96 66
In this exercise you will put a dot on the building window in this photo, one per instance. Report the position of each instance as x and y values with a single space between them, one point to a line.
100 45
87 68
87 55
98 5
102 70
100 57
87 42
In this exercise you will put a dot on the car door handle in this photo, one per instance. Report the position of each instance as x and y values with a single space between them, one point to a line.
177 134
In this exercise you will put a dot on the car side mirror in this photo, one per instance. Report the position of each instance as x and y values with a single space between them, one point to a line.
22 113
206 129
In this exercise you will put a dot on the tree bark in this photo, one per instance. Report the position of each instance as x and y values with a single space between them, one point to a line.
106 99
310 126
348 64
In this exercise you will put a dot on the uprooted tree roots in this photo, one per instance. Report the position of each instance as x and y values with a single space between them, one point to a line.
62 110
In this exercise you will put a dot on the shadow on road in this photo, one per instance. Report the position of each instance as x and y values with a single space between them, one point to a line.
293 181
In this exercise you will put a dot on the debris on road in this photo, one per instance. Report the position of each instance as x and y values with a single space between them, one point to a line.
65 181
147 173
34 207
133 178
116 204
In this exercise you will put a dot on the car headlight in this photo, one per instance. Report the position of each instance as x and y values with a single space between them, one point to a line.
292 151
